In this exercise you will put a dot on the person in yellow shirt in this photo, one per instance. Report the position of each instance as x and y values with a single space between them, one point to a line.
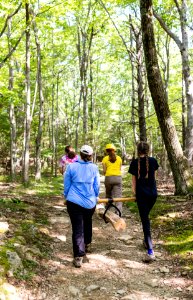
112 170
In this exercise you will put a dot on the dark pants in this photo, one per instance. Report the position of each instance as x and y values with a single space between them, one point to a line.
81 220
145 206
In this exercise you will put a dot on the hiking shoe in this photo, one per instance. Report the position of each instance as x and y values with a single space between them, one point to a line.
88 248
85 259
77 262
149 258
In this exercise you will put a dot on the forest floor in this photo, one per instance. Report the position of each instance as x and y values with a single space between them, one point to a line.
39 232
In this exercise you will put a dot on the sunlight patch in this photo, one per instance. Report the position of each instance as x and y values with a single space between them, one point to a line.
59 207
188 239
133 264
104 259
177 281
4 226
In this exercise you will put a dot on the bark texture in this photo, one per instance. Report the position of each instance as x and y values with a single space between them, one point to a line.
188 81
27 125
177 161
41 105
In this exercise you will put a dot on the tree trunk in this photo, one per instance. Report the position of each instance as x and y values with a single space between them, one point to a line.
12 118
56 126
85 37
177 161
92 104
53 133
41 106
163 50
183 46
183 118
187 80
140 89
140 82
133 100
167 66
27 125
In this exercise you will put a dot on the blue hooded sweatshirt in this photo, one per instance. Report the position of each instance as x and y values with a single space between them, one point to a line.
82 183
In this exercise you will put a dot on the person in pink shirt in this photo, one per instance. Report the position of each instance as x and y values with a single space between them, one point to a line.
67 159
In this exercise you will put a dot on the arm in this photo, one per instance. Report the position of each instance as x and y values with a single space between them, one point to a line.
120 164
96 184
133 184
104 168
67 182
63 168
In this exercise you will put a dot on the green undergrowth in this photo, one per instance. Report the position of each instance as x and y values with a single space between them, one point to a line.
48 185
3 259
13 204
173 227
24 232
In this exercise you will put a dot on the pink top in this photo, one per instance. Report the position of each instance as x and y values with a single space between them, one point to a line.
65 160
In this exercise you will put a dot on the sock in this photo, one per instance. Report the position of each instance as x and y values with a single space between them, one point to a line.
150 251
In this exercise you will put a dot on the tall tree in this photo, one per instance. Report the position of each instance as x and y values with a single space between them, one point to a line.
41 104
27 125
182 44
140 81
85 38
12 117
177 161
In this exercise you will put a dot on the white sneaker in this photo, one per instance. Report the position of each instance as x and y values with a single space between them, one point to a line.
149 258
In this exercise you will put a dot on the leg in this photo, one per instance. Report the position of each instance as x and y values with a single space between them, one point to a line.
88 213
76 216
108 186
117 191
145 207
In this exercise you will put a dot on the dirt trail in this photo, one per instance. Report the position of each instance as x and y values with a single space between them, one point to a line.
115 270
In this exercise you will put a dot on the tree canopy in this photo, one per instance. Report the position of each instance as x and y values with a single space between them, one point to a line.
92 82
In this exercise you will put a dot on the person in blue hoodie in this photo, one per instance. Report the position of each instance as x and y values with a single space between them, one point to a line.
81 190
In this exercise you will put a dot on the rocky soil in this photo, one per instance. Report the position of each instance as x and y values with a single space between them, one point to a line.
115 271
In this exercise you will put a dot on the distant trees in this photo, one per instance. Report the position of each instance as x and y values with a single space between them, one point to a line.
76 74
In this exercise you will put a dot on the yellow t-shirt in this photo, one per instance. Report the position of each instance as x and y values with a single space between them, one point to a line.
112 169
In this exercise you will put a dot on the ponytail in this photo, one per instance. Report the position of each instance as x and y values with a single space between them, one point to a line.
112 155
143 148
147 166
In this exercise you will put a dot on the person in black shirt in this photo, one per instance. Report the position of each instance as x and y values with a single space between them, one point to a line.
144 187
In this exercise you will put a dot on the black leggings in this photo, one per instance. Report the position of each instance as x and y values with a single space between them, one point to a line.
81 220
145 206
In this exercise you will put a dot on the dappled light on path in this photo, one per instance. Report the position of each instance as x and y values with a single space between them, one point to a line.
115 271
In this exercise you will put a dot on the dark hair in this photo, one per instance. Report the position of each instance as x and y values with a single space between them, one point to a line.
71 154
112 155
143 148
67 149
85 157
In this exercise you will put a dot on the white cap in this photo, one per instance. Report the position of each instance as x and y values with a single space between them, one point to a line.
86 150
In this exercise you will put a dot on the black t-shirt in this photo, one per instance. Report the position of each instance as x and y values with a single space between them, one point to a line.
145 187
